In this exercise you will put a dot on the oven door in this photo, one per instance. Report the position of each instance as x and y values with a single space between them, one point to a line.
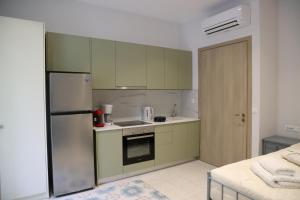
138 148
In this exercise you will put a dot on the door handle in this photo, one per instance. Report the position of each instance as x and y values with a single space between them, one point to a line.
242 115
1 126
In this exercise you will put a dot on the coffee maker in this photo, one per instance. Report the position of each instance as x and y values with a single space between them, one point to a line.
107 109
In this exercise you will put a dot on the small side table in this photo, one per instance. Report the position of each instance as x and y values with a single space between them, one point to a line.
275 143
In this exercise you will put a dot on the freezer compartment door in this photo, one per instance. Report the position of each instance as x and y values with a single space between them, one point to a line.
70 92
72 153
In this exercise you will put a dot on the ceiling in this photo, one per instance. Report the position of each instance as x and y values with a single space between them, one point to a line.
179 11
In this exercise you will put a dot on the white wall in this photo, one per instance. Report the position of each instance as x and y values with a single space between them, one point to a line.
289 65
73 17
269 67
194 38
271 107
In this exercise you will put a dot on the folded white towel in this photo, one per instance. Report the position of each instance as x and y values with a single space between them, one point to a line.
276 166
296 146
293 157
275 180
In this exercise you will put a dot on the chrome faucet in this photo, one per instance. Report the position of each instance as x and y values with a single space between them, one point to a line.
174 113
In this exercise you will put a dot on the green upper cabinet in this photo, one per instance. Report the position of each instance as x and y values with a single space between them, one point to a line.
67 53
155 68
130 65
109 154
103 64
171 69
185 70
119 64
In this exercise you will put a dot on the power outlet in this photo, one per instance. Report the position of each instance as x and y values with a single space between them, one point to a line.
292 128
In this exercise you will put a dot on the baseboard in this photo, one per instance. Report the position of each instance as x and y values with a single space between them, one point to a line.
35 197
140 172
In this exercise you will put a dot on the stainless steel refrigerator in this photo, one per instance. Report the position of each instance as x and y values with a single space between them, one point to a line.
71 132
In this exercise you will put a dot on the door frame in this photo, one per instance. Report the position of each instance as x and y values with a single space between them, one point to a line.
248 40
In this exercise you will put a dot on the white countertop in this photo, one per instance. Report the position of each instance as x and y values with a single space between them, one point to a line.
170 120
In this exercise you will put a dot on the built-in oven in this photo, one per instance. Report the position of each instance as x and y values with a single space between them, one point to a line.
138 145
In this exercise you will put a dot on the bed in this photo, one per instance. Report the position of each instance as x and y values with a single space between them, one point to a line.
237 182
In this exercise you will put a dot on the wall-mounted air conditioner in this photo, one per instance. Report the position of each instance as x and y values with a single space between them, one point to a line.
234 18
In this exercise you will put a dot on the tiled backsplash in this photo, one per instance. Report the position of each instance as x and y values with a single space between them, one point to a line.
129 103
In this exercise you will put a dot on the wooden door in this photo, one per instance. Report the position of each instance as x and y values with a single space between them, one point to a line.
103 64
223 103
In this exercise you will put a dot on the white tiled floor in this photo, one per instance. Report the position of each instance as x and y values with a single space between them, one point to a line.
182 182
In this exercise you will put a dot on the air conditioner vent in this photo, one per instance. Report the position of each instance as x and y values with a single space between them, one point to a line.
231 19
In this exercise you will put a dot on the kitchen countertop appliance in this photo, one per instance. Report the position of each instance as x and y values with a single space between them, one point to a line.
138 144
160 118
107 108
98 118
148 113
71 145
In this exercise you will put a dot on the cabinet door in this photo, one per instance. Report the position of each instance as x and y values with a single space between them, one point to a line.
67 53
164 145
138 166
109 154
180 142
130 65
155 68
185 70
193 140
171 69
103 64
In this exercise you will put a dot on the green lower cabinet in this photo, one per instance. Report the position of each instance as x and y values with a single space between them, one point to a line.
138 166
176 143
164 145
109 154
180 141
193 140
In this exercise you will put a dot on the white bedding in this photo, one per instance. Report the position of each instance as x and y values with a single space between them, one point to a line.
228 194
239 177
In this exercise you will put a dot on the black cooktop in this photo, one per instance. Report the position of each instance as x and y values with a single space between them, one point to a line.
131 123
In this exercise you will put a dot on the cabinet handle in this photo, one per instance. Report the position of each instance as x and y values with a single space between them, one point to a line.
140 137
1 126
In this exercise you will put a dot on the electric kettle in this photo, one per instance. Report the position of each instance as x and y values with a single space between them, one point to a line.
148 113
